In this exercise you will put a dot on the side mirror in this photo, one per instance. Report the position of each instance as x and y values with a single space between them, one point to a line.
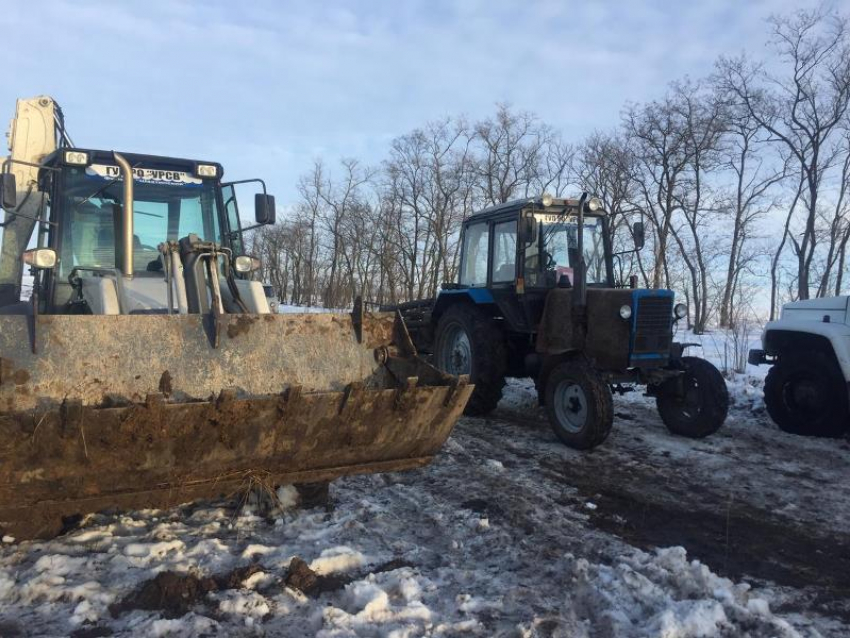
40 258
264 211
639 234
8 192
527 229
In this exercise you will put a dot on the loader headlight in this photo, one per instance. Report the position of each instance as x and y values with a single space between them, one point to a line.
76 158
246 264
594 204
207 170
40 258
546 199
680 310
625 312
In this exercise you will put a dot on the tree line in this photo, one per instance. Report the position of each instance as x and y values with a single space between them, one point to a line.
741 179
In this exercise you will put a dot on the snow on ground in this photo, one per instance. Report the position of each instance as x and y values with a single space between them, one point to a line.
289 308
507 533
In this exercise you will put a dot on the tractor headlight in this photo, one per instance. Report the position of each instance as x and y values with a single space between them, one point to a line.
246 264
625 312
546 199
680 311
207 170
594 204
40 258
76 158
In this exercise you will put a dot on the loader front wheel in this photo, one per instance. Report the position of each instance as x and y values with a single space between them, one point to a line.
695 403
470 342
579 405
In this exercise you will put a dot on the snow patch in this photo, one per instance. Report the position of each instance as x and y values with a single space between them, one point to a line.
336 560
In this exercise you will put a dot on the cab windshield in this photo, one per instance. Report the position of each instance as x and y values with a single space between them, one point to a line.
167 205
555 253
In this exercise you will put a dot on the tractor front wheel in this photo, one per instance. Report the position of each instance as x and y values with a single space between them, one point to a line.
579 405
470 342
695 403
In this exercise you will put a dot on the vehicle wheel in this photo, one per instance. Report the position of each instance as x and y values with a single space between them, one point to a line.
579 405
469 342
805 393
697 407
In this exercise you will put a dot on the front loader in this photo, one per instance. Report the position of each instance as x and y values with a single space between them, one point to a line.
146 369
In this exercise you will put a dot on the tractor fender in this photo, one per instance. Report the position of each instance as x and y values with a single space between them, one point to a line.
782 335
448 298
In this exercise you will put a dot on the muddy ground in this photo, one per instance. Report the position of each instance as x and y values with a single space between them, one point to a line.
751 502
508 533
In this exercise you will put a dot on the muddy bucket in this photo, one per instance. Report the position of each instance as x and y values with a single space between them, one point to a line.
134 411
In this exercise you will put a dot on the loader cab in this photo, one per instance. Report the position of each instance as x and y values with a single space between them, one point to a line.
172 199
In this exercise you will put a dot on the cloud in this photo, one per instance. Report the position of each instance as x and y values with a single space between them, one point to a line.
260 86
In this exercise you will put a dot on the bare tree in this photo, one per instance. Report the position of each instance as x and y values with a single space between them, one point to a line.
755 173
606 168
802 109
513 147
659 143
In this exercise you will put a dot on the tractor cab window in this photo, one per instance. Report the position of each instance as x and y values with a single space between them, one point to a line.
504 252
162 210
476 247
231 209
555 254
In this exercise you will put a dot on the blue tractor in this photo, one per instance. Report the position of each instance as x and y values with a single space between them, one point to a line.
536 297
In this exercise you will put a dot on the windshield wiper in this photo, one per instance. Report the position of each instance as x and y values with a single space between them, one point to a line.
100 190
562 217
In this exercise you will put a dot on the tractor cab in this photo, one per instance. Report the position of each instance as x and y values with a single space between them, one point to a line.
535 247
514 254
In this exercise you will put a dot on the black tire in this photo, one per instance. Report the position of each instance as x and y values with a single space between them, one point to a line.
579 405
703 407
805 394
485 360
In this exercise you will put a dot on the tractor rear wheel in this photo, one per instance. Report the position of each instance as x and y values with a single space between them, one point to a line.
695 403
579 405
470 342
805 393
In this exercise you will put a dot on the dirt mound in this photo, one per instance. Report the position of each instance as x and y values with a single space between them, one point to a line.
172 593
301 577
176 594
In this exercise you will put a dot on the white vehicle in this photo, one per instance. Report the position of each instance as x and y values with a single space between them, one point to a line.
807 391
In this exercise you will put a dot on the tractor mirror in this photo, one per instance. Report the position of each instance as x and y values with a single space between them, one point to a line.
527 229
8 192
264 211
639 235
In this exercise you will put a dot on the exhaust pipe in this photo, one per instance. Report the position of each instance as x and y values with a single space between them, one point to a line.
580 277
126 216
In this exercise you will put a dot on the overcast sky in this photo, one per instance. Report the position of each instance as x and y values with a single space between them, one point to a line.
265 87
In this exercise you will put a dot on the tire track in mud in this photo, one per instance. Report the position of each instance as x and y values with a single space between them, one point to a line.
649 507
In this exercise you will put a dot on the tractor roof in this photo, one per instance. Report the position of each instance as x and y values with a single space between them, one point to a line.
519 204
136 159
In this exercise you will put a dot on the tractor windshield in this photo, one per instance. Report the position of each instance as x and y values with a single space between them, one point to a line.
556 253
167 205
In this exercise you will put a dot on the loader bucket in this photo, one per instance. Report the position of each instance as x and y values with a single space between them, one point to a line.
135 411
